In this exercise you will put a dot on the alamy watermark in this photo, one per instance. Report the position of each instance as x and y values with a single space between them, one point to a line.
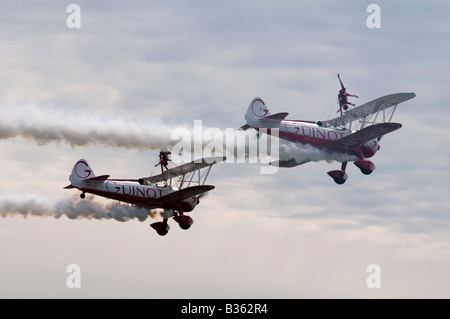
74 279
374 19
239 146
73 21
374 279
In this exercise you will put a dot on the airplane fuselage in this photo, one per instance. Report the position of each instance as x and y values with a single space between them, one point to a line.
307 132
133 193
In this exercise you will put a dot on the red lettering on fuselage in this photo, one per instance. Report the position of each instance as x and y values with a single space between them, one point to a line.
133 190
112 188
308 133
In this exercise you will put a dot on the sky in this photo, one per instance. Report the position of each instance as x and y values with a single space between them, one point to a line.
112 92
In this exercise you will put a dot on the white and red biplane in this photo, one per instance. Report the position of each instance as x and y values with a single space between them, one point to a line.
176 190
355 133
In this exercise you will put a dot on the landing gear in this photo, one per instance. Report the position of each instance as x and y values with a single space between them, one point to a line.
162 228
184 221
83 195
339 176
366 167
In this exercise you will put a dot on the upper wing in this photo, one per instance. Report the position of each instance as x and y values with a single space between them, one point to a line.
184 169
365 135
185 193
369 108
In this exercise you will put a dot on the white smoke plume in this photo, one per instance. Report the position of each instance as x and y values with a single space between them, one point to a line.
306 152
34 205
45 125
49 125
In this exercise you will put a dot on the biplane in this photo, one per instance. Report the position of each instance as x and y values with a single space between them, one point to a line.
175 191
355 133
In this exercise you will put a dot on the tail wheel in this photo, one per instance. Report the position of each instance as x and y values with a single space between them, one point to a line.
83 195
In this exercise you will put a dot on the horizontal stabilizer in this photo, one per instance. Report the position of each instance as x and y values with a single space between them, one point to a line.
274 120
365 135
244 127
90 180
288 163
100 178
186 193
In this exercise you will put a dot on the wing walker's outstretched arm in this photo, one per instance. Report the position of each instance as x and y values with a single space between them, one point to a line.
343 97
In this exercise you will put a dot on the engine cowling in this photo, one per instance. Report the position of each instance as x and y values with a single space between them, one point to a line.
189 204
370 148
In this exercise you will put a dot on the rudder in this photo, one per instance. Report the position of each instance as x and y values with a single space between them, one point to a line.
80 172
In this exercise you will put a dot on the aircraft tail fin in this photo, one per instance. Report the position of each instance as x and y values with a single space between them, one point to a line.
258 115
256 111
80 172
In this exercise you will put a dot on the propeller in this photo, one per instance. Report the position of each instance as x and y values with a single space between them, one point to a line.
155 213
202 195
160 212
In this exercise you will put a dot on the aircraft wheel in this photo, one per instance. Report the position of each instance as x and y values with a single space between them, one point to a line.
184 226
161 228
339 181
366 171
162 232
184 221
82 195
339 176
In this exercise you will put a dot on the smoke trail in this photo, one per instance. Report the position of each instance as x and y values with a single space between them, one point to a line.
34 205
48 125
44 126
306 152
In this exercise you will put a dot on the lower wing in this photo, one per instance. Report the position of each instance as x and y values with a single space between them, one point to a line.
365 135
185 193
